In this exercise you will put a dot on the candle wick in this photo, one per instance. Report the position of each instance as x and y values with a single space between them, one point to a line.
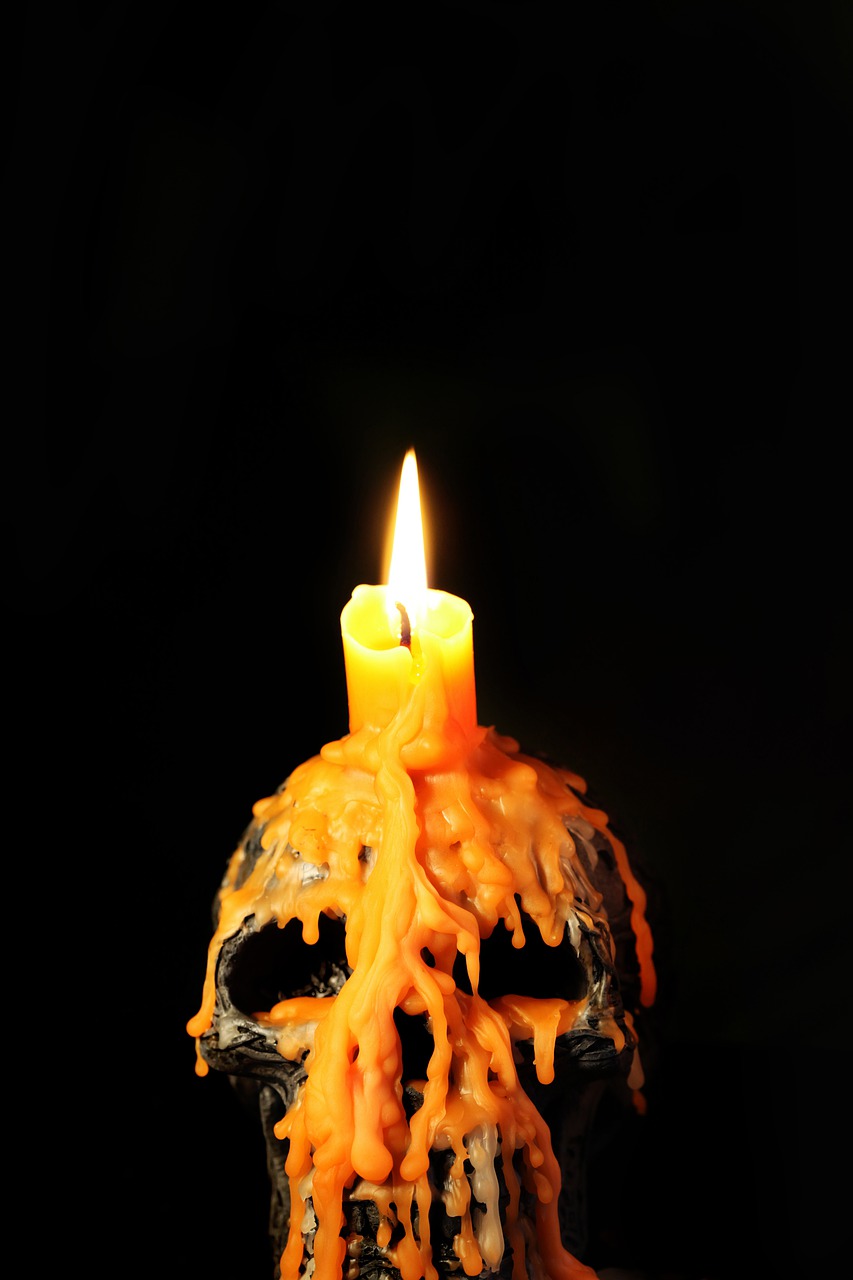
405 626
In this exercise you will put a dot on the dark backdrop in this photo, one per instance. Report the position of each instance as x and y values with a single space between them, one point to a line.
597 272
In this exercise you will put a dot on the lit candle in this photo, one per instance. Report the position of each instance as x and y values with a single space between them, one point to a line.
408 646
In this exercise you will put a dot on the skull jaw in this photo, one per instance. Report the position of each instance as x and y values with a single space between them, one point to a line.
588 1068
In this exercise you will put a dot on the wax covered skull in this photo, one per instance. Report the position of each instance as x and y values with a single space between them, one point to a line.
425 976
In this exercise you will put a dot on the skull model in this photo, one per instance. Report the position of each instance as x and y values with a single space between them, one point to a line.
425 978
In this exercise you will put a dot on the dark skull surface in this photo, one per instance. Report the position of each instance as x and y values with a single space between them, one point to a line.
479 1040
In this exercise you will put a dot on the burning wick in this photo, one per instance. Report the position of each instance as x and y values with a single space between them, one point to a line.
407 575
405 626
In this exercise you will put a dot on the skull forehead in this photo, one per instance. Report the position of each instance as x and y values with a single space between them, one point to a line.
506 840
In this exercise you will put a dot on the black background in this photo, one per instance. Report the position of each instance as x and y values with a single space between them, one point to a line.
596 270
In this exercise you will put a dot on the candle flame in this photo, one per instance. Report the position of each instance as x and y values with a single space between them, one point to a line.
407 576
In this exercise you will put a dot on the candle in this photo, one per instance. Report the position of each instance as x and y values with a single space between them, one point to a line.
410 649
424 833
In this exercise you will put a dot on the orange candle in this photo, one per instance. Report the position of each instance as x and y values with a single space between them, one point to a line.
405 644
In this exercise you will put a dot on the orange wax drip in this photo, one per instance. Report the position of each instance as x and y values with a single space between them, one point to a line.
457 837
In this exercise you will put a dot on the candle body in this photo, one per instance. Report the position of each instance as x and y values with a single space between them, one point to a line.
436 670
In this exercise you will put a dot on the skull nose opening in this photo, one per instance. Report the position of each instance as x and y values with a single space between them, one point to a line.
416 1044
532 970
275 964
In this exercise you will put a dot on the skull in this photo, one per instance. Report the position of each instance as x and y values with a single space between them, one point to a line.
478 1043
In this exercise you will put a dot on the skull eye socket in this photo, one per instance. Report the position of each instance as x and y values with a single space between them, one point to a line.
532 970
275 964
